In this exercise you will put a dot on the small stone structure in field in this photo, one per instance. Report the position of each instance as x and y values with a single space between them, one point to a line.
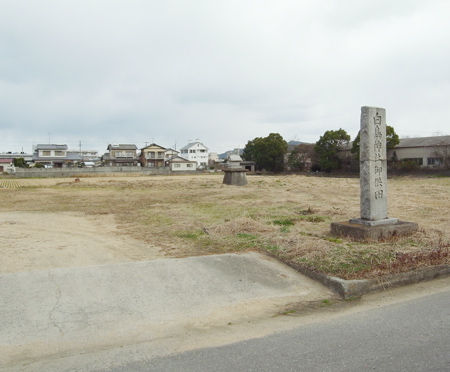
234 173
374 222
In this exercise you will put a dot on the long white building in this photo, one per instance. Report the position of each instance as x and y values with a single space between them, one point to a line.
196 151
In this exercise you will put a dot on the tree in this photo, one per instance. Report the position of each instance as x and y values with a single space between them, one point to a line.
267 152
20 163
301 156
328 146
392 140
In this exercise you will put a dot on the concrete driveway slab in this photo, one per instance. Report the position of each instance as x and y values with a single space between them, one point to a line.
60 311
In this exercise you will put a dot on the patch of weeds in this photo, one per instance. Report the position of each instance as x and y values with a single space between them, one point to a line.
410 242
304 233
326 302
189 234
347 262
284 229
245 241
272 248
246 236
284 221
305 212
288 312
352 298
312 218
334 240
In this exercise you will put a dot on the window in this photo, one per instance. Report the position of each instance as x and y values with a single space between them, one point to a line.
434 161
189 165
176 165
46 153
59 153
192 151
202 150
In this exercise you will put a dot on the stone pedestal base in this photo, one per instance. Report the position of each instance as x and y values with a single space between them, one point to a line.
359 231
384 221
237 177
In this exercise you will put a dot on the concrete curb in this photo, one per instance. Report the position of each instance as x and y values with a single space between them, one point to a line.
356 288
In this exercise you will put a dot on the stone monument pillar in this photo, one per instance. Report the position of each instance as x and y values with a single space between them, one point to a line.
374 222
373 168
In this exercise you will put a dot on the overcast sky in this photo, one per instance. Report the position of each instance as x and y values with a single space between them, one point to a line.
128 71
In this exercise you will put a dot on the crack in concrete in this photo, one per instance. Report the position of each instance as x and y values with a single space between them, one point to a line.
51 314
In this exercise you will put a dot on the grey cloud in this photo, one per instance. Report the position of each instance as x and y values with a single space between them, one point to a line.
224 71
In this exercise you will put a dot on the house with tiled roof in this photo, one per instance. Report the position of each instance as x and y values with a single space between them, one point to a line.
54 156
178 164
7 165
152 156
121 155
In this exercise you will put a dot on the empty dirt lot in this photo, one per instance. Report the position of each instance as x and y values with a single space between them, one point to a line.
47 223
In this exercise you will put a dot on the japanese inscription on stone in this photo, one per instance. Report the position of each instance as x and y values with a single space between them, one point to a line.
373 175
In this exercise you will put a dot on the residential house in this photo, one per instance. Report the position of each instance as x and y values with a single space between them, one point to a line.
178 164
153 156
28 158
196 151
425 151
85 155
54 156
7 165
121 155
213 158
170 153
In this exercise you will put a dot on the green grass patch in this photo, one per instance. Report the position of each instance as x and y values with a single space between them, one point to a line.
189 234
334 240
272 248
286 221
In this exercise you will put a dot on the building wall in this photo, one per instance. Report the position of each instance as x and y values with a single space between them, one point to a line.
180 166
79 172
198 153
152 156
422 153
52 153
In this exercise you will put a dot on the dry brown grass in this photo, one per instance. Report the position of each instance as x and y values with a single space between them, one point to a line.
288 216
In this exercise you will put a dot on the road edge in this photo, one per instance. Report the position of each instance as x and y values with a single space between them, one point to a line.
348 289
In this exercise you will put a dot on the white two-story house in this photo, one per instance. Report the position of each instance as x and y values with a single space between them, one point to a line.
52 155
196 151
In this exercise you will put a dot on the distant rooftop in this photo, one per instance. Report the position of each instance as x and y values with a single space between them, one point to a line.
122 147
152 145
189 145
51 147
424 141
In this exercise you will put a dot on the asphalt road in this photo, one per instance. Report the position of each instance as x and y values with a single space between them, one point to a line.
409 336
